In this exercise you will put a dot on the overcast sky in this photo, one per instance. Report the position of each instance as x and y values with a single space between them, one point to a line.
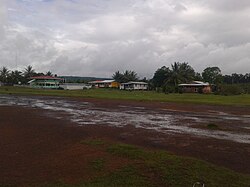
98 37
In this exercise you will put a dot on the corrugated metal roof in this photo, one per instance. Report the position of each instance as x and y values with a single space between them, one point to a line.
108 81
31 81
196 83
131 82
102 81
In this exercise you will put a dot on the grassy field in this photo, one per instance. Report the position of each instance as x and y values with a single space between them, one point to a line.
239 100
146 168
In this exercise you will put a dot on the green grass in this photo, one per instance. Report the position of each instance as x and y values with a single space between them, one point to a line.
147 168
180 171
128 176
97 164
239 100
126 150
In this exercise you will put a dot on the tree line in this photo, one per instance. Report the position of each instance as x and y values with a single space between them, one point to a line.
9 77
166 79
179 73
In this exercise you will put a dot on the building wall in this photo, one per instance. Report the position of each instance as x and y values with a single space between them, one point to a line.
74 86
115 85
207 89
106 85
101 85
122 87
71 87
190 89
133 86
53 84
197 89
140 86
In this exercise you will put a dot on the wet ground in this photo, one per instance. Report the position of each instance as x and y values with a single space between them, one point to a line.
225 126
35 129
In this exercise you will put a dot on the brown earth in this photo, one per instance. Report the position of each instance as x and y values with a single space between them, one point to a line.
35 148
178 107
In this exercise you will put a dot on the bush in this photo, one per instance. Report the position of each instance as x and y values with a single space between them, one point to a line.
169 89
158 89
230 90
246 88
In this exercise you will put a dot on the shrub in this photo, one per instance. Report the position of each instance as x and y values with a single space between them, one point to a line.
246 88
158 89
230 90
169 89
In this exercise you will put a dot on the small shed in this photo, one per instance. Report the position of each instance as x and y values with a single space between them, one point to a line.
134 86
48 82
196 87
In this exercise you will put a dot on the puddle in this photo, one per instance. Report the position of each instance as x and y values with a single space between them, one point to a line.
169 122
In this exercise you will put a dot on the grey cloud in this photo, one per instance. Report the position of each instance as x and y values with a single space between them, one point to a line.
228 5
2 19
96 38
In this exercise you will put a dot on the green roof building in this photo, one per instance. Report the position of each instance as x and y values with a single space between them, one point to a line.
47 82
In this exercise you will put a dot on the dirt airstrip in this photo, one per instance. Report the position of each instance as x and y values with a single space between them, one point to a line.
40 136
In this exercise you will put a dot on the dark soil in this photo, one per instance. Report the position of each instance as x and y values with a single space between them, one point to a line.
35 148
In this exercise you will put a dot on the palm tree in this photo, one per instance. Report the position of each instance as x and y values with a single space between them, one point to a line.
16 77
118 77
29 72
181 73
175 75
49 73
129 76
187 72
125 76
4 74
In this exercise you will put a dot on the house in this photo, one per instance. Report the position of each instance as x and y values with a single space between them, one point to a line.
196 87
74 86
44 82
134 86
104 84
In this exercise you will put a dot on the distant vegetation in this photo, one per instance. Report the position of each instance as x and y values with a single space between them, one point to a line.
125 76
237 100
165 79
9 77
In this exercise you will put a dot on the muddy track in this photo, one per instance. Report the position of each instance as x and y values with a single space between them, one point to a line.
35 129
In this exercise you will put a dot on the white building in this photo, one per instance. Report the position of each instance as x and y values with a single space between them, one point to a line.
134 86
74 86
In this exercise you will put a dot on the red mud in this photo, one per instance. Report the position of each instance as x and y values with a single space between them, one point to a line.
35 148
200 108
